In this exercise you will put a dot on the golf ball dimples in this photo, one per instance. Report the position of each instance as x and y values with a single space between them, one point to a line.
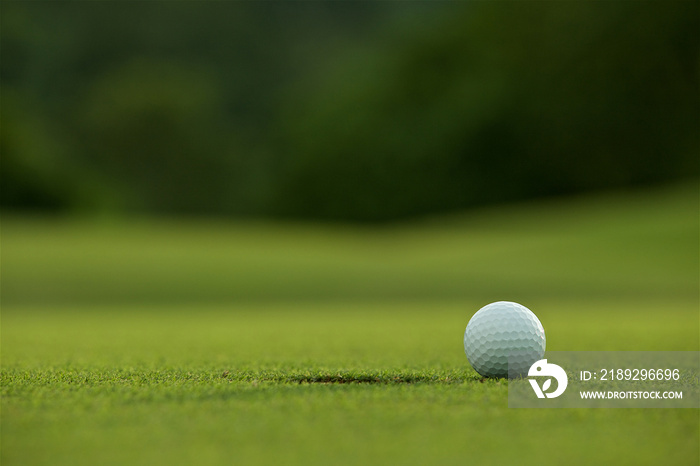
501 330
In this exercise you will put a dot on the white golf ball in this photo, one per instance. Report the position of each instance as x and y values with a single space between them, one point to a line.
501 332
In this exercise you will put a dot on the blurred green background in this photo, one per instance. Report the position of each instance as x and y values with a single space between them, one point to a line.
211 208
351 111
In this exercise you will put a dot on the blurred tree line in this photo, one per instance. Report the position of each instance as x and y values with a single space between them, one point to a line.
361 111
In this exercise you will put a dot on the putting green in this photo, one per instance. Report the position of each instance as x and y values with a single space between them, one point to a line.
167 342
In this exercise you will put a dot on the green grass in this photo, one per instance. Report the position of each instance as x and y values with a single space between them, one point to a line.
164 342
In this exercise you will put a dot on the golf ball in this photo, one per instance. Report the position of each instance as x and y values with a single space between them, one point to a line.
500 333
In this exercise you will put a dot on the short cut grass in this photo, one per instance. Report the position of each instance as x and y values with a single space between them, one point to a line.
211 343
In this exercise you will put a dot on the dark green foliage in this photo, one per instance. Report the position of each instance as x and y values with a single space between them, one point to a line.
329 110
505 102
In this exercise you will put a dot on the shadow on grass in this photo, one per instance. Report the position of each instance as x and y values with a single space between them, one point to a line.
343 379
90 387
340 378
